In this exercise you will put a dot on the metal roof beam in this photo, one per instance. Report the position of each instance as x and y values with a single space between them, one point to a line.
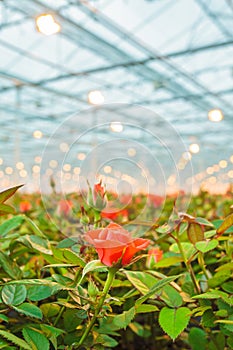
139 62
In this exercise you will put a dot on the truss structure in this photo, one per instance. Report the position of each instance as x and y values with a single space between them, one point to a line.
170 57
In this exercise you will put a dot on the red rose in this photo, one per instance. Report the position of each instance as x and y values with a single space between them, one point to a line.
64 207
113 243
154 255
113 214
25 206
155 200
98 190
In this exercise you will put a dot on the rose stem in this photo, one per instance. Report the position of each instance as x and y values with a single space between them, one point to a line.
111 274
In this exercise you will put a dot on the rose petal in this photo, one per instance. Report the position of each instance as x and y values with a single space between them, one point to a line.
110 256
134 247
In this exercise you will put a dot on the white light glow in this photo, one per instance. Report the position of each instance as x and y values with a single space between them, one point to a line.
19 165
215 115
47 25
8 170
64 147
36 169
95 98
23 173
53 163
107 169
131 152
194 148
81 156
66 167
222 164
116 126
187 155
37 134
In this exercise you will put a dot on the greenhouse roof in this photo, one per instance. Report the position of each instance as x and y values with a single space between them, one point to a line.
159 66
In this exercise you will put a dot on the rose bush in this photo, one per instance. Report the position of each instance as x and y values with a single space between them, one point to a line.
115 244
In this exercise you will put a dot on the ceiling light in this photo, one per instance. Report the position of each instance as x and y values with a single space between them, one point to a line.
187 156
222 164
47 25
66 167
8 170
107 169
131 152
19 165
116 126
37 159
215 115
95 98
81 156
37 134
194 148
53 163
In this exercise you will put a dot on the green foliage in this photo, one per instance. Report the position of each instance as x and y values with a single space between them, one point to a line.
29 310
174 321
197 339
14 294
4 195
36 340
15 340
51 283
206 246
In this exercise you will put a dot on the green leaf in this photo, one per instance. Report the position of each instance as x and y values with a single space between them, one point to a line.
228 266
171 297
36 293
146 308
124 319
10 224
197 339
34 227
51 331
4 195
14 294
16 340
219 278
50 309
4 318
227 223
204 222
94 265
208 319
73 318
29 310
188 248
214 294
206 246
106 341
73 258
141 331
37 243
36 340
9 266
228 287
158 286
195 233
174 321
6 209
142 281
67 243
167 262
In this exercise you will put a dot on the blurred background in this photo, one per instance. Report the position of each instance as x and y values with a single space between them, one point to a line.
157 74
